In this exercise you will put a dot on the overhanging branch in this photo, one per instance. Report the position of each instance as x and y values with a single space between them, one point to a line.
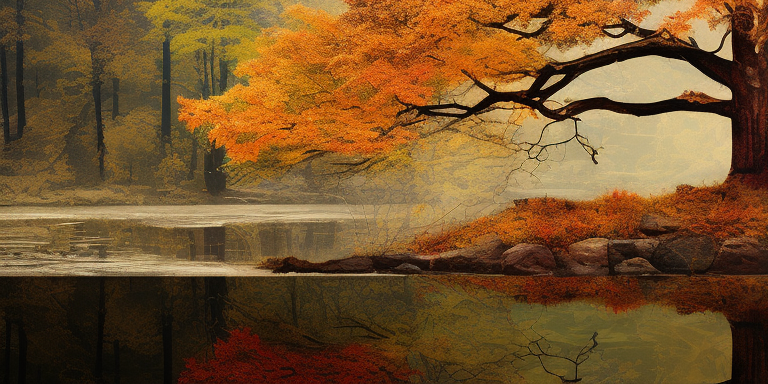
719 107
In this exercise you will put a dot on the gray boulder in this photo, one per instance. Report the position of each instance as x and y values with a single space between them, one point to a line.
528 259
656 224
387 262
685 255
741 256
406 268
620 250
636 266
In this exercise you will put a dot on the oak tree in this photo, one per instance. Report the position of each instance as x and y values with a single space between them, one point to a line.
388 72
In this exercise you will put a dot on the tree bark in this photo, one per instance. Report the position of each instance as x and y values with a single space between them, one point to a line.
215 178
4 95
20 102
750 100
750 352
165 126
115 97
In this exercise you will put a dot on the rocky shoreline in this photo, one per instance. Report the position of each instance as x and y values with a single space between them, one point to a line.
666 249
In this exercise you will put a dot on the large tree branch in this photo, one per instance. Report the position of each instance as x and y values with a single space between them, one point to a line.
626 27
543 13
718 107
661 44
687 102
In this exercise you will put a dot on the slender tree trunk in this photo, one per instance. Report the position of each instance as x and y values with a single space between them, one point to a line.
167 319
213 76
223 75
97 69
20 102
750 352
215 178
7 365
4 95
116 353
37 83
206 90
165 126
294 301
99 369
115 97
192 158
750 101
215 297
22 354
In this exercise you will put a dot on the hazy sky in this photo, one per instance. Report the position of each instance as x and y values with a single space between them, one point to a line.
648 155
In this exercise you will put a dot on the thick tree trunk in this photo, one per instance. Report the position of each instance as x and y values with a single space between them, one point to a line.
750 353
165 126
115 97
20 102
4 95
215 178
750 101
98 371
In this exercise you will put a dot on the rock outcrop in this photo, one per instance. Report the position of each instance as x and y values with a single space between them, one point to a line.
528 259
636 266
684 255
741 256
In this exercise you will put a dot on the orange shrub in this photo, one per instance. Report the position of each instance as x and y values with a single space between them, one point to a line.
722 211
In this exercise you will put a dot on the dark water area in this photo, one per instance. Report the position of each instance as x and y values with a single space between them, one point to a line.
410 328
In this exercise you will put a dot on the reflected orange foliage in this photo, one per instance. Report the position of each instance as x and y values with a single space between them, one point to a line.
738 298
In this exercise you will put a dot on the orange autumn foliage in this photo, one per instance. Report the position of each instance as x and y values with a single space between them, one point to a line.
339 84
555 223
721 211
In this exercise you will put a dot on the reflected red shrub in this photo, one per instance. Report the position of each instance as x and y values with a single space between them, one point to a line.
244 358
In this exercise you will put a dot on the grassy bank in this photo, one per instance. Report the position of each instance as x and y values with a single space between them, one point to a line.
721 211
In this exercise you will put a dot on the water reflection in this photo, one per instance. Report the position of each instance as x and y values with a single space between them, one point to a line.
451 332
250 242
